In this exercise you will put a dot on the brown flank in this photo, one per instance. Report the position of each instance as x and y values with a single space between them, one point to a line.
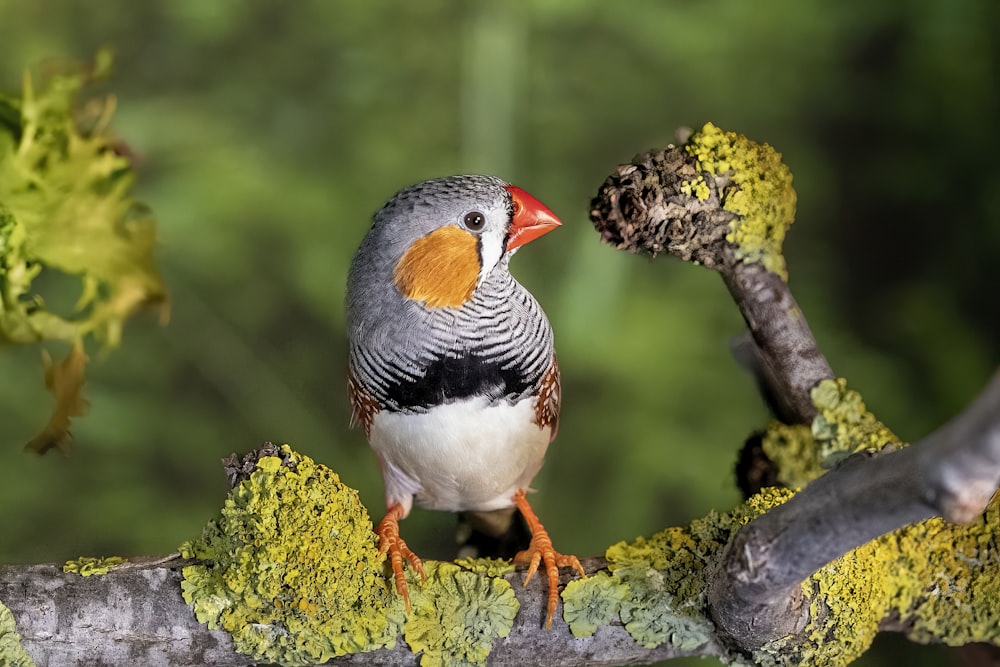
363 405
549 400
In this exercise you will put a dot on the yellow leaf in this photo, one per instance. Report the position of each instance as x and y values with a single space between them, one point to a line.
64 380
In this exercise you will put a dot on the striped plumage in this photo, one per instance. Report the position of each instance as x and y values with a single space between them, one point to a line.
452 364
498 344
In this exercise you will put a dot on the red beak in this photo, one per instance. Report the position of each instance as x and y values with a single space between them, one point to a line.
531 219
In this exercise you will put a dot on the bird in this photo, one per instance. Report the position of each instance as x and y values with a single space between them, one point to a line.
452 369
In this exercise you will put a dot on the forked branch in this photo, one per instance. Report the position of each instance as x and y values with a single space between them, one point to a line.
725 202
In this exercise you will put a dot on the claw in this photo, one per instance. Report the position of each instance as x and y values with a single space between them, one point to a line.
541 551
392 544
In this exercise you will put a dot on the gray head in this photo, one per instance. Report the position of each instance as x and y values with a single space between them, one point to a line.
454 201
437 240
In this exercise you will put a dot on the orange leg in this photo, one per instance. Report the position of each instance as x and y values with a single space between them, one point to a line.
541 551
391 543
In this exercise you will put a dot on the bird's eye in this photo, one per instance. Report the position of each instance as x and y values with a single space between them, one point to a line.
474 221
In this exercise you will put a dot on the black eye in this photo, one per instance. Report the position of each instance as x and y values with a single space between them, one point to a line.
474 221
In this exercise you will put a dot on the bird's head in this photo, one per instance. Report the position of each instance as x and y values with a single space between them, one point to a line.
443 237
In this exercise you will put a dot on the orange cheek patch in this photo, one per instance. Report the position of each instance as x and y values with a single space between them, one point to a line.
440 269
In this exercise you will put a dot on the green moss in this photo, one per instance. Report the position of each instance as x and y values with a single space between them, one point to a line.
759 191
12 653
844 425
86 566
592 602
291 568
457 614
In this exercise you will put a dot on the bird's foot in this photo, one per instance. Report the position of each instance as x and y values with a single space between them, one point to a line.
392 544
541 551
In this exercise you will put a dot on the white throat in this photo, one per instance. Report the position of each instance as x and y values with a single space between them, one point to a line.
491 250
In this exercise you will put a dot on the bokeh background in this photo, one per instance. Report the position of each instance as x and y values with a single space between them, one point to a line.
269 132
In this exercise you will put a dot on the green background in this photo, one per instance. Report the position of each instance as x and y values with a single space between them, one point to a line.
269 132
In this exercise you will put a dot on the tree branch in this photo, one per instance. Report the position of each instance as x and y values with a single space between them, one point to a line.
951 473
651 206
677 200
788 360
135 615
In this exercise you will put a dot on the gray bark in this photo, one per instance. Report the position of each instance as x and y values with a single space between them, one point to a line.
788 360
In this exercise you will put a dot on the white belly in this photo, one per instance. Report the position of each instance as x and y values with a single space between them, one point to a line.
459 456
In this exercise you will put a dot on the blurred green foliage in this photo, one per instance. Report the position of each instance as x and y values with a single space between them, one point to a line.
65 207
267 133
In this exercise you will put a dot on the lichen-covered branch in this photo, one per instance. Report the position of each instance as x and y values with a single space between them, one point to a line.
960 462
725 202
136 615
952 473
288 573
646 601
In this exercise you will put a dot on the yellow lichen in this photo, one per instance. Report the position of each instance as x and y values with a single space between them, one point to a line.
493 567
592 602
291 567
86 566
947 576
759 191
941 577
844 425
696 187
12 653
456 615
667 575
793 451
